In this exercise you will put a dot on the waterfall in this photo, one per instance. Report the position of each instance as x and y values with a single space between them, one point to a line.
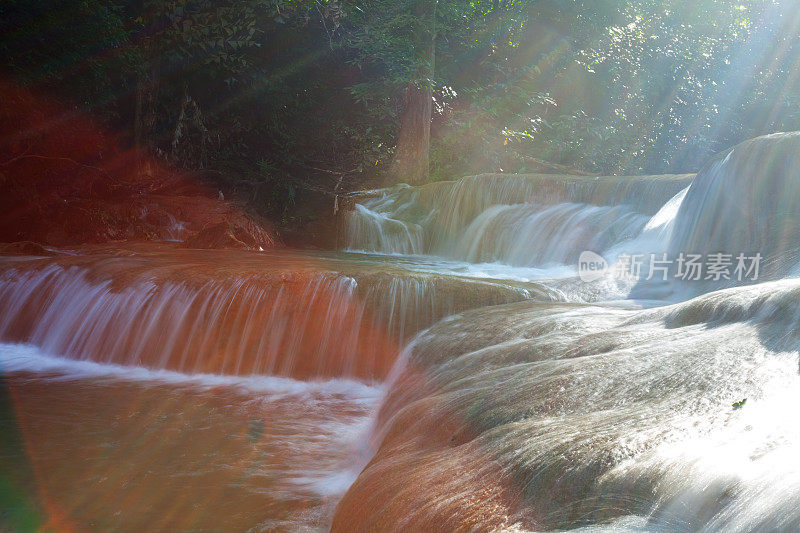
533 235
746 201
493 217
553 417
450 371
286 323
540 416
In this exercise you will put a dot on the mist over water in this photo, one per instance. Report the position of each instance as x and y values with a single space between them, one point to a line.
449 371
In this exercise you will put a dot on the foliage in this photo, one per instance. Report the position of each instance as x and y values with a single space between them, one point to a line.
280 97
81 46
688 79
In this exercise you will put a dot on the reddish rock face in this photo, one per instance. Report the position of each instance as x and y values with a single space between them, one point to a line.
233 233
67 181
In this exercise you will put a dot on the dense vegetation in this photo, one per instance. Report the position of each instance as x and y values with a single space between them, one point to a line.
281 100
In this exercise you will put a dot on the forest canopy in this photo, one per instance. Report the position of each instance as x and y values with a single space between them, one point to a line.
276 98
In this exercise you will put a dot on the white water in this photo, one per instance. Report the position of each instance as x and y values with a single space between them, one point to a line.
515 220
518 406
602 417
266 322
16 358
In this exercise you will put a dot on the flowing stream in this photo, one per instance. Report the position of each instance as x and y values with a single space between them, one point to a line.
448 370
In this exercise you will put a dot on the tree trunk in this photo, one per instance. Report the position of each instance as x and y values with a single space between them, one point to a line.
411 156
411 161
147 87
144 122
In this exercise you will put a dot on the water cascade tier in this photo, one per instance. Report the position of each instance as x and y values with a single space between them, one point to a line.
227 312
553 417
520 220
746 201
449 371
624 415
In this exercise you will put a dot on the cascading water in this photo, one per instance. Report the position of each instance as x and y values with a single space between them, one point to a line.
746 202
604 416
609 417
529 220
296 319
240 386
534 235
253 372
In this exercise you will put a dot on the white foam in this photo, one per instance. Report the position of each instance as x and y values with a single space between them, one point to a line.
27 358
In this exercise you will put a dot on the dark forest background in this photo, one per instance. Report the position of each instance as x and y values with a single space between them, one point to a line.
286 103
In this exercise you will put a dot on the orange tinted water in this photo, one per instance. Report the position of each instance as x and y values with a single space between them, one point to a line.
135 456
159 388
